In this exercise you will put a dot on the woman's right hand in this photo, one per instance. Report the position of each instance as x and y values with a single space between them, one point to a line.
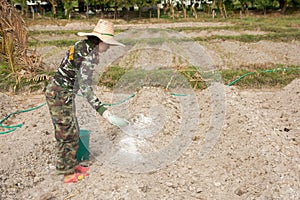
114 120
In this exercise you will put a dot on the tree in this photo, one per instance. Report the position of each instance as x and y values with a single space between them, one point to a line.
54 5
283 5
23 4
221 8
194 9
68 6
144 3
263 4
244 5
182 3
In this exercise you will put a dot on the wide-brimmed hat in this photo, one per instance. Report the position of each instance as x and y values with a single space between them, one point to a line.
104 30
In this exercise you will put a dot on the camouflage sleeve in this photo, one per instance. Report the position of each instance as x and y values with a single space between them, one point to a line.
85 78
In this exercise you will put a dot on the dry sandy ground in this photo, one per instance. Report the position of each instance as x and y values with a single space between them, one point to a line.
245 144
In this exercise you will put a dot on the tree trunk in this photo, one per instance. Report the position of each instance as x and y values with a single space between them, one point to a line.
115 12
53 3
184 13
225 11
284 6
183 8
194 11
102 11
172 12
221 8
243 5
166 8
158 11
32 12
54 11
140 12
87 9
80 5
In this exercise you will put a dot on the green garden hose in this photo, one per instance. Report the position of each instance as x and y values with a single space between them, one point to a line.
120 102
14 127
239 78
260 71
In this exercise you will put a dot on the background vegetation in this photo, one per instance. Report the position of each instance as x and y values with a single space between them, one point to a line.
30 74
152 8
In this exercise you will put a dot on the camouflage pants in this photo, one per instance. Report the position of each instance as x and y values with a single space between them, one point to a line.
62 109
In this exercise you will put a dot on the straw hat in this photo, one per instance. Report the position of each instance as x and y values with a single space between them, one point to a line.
104 30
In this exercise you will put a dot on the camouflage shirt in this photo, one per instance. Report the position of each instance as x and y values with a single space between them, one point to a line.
76 70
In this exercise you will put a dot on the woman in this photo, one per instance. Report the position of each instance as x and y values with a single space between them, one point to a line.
74 74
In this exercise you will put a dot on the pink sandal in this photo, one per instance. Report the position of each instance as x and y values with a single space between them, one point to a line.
81 169
77 177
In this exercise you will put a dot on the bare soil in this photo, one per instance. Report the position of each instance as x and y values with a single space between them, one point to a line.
254 156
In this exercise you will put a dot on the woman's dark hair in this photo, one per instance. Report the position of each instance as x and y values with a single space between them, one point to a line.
94 39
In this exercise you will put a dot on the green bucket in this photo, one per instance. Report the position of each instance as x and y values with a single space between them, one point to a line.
84 144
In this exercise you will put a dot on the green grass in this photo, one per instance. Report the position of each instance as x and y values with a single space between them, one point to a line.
58 43
282 21
244 78
261 78
133 79
61 32
282 37
110 77
281 29
284 28
53 32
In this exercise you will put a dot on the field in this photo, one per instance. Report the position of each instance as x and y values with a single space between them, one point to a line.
224 141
